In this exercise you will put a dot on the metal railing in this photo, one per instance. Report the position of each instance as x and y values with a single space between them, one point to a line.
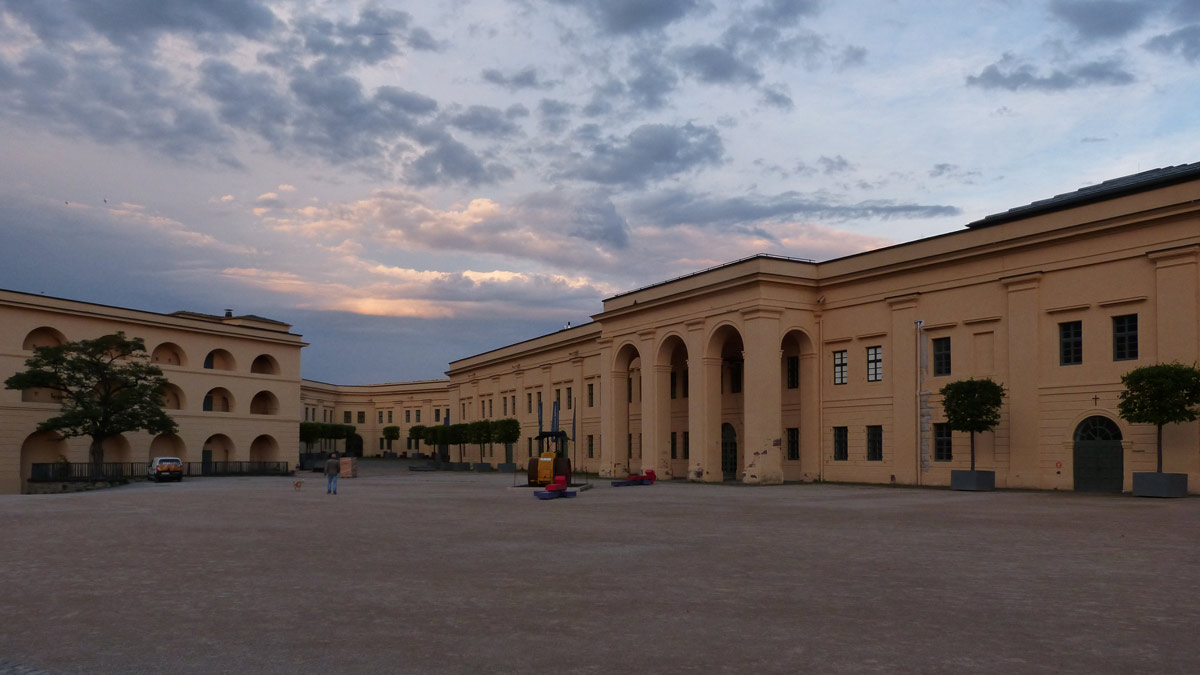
86 471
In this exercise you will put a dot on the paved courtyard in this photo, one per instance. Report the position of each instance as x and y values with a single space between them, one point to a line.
407 572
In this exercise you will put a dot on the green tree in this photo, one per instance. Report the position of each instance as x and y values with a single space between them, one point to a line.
391 434
311 432
972 405
506 431
1161 394
480 432
105 386
456 434
417 432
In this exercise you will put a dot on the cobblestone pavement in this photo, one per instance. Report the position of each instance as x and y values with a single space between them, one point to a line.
408 572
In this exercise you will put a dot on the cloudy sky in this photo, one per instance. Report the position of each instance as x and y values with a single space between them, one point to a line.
410 183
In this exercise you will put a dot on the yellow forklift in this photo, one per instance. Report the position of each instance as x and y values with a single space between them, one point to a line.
551 460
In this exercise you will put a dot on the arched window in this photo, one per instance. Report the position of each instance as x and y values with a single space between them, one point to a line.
1097 428
264 403
219 359
43 337
168 354
265 364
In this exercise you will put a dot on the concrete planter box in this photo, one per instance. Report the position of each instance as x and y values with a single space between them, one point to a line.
506 467
481 467
973 481
1153 484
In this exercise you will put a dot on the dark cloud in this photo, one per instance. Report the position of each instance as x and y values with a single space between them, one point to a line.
651 152
785 11
554 115
1184 42
653 81
851 56
777 97
371 39
1102 19
603 98
680 207
1010 74
516 110
447 161
526 78
485 121
716 65
112 99
598 221
140 23
421 40
954 172
248 101
621 17
835 164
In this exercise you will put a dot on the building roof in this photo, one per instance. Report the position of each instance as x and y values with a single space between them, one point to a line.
1109 189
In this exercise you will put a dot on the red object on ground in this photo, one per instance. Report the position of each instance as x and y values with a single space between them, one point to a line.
649 475
559 484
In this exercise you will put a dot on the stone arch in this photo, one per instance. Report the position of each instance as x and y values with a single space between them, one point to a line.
265 364
627 408
218 399
168 354
220 359
44 336
799 393
218 448
167 445
723 402
173 398
672 428
264 403
117 449
40 447
264 449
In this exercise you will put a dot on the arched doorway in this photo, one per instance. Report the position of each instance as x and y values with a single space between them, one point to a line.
168 445
671 445
43 447
1099 456
218 449
354 446
264 449
729 452
626 396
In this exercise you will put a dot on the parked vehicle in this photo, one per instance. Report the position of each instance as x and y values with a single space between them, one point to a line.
165 468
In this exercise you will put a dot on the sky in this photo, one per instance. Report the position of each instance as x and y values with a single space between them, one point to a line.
411 183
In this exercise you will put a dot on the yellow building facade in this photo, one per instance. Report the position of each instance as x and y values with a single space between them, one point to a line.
371 408
771 369
234 393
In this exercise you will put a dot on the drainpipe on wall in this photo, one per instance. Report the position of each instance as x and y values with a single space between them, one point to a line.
917 326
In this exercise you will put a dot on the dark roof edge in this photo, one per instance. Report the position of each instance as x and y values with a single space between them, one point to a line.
1109 189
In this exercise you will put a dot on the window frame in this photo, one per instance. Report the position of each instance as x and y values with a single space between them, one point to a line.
1070 343
1122 349
942 356
943 442
841 444
875 363
874 442
841 367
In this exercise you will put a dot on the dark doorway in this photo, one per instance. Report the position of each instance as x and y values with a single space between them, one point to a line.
206 461
1099 457
728 452
354 446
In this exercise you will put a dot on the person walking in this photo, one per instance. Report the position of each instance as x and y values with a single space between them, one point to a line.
333 469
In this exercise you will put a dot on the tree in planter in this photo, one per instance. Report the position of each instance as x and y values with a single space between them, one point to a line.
430 436
1161 394
106 387
416 433
972 405
506 431
480 433
391 434
456 434
311 432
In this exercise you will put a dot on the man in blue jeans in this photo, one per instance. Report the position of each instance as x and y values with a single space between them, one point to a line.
333 469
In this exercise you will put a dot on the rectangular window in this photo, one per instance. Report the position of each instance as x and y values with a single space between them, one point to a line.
346 417
793 443
447 416
558 398
1070 343
362 417
407 416
591 446
1125 337
569 403
539 400
418 417
673 390
841 444
941 356
591 398
482 408
437 415
874 443
381 443
793 372
504 406
686 445
528 402
389 417
674 450
875 364
943 442
839 367
380 412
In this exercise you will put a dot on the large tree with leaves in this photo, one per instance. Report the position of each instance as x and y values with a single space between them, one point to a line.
1161 394
972 405
106 387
